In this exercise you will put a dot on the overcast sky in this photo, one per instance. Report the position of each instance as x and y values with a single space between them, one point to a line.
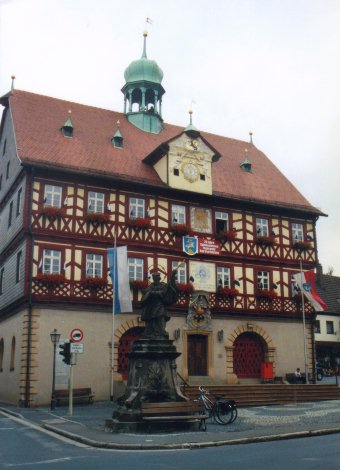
269 66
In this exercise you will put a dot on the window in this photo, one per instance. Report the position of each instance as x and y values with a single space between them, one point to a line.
18 267
94 265
317 328
330 327
136 269
52 196
223 277
178 214
12 363
7 170
4 147
10 214
2 277
136 207
297 232
95 202
19 195
51 261
263 280
262 227
176 171
1 354
181 272
221 221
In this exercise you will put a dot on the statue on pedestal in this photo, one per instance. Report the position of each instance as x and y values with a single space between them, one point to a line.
155 299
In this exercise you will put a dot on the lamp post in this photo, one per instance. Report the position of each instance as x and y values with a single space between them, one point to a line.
55 336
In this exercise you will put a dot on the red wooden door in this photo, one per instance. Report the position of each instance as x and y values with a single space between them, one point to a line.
125 346
248 356
197 355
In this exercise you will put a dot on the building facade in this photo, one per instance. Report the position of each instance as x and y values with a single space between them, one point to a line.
75 180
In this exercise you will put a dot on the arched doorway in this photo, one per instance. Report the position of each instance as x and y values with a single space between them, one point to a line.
249 354
125 346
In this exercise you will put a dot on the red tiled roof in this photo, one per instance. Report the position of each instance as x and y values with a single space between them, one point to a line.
38 119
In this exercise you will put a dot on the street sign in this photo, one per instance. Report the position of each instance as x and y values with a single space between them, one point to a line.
76 335
77 347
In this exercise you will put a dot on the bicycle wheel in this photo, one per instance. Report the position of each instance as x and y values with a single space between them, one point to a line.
234 412
224 412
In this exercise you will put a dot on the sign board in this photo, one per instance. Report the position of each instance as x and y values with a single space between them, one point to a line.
77 348
209 247
76 335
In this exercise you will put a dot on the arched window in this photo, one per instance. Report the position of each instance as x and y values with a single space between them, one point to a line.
1 354
12 363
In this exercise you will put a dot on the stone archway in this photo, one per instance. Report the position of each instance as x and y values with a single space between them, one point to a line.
254 331
120 331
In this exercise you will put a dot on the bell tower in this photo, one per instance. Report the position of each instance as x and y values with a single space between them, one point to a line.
143 93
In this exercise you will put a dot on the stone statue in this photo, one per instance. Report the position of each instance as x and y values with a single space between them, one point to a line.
155 299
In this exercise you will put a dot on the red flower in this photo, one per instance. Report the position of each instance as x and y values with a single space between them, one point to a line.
50 278
99 217
139 284
140 222
227 235
185 288
302 245
181 229
227 292
266 294
266 241
93 282
52 211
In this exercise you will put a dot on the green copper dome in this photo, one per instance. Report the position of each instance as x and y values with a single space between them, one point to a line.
143 69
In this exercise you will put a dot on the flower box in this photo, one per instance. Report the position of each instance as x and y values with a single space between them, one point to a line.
181 229
266 240
50 278
53 212
302 245
140 222
97 217
139 284
185 288
226 235
227 292
266 294
93 282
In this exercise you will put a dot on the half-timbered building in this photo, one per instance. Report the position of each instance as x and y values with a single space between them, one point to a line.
75 180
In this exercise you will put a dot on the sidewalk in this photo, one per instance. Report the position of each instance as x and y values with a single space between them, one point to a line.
254 424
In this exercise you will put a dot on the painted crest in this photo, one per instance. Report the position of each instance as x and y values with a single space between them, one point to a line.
199 316
190 245
307 287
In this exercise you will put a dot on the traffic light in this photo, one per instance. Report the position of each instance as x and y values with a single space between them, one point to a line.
66 352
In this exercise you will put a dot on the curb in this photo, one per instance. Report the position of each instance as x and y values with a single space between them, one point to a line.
193 445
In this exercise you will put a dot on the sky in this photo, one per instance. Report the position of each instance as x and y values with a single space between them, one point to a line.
267 66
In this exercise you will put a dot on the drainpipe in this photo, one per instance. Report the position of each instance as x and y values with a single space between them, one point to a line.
30 307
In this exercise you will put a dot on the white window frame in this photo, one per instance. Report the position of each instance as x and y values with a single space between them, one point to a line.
181 272
136 207
178 214
52 195
136 269
223 276
94 265
297 232
51 261
262 227
224 216
96 201
330 325
263 279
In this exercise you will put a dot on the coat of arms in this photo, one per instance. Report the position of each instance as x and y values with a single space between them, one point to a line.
190 245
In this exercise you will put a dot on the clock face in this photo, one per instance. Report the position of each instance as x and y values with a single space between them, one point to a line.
190 172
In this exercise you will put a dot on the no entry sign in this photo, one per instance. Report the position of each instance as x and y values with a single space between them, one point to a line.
76 335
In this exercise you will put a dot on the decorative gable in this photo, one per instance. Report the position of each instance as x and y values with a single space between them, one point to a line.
185 162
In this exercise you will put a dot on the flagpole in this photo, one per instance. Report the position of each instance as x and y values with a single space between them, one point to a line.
113 316
304 328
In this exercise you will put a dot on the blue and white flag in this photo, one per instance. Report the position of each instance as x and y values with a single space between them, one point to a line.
119 273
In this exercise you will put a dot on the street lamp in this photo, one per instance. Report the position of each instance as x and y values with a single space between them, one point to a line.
55 336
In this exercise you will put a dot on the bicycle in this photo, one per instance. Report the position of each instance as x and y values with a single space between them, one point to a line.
221 410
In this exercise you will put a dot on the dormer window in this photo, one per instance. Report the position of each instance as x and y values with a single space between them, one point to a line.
67 129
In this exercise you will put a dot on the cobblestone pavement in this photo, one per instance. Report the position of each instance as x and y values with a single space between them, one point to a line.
253 424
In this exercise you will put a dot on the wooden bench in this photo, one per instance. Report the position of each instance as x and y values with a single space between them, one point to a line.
78 394
174 412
